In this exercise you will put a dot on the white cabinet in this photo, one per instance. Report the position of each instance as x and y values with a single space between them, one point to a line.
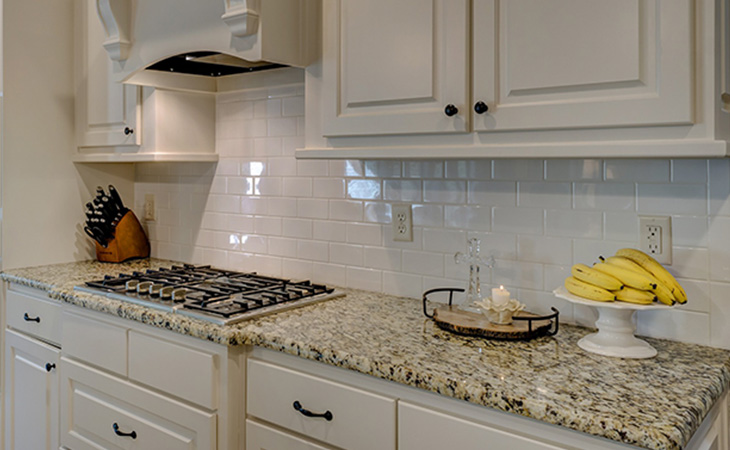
107 113
392 67
31 393
510 79
582 63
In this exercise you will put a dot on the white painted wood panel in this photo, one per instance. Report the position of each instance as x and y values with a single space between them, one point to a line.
392 67
94 401
361 420
177 369
264 437
104 108
578 64
33 315
96 342
424 429
31 393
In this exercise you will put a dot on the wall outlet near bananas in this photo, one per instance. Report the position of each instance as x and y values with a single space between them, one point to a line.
655 237
402 223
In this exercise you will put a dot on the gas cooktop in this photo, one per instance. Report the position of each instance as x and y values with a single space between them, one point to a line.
219 296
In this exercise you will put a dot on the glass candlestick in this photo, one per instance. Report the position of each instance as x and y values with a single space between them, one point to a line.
475 261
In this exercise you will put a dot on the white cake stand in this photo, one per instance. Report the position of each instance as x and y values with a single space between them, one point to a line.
615 336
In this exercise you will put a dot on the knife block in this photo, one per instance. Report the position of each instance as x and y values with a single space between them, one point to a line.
129 242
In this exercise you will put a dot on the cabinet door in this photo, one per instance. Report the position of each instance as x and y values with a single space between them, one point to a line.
263 437
423 429
583 63
104 108
393 67
31 397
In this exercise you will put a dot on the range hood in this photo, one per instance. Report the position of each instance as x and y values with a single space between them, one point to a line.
188 44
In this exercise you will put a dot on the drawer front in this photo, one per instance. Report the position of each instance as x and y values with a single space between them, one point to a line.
101 411
177 369
96 342
424 429
36 316
263 437
360 420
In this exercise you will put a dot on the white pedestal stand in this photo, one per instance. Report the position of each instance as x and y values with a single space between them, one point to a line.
615 336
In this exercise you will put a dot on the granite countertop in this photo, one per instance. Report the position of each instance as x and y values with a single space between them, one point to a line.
652 403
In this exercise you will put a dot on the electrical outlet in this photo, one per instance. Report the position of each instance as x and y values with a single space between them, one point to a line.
655 237
402 223
149 207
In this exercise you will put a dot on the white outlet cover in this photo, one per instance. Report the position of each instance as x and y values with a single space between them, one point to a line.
402 218
663 254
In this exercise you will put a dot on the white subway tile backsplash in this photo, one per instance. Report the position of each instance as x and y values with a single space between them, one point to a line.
439 191
573 169
364 189
638 170
518 169
572 223
345 210
543 195
347 254
468 217
328 187
362 233
672 198
480 169
492 193
518 220
260 209
543 249
605 196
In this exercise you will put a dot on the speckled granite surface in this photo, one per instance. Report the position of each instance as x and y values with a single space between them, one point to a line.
655 403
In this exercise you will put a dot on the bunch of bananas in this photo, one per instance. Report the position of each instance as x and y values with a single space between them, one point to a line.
629 276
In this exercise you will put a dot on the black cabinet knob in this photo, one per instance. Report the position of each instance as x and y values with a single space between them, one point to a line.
128 131
451 110
50 366
480 107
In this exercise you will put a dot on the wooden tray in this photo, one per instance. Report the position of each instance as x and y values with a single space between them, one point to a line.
450 318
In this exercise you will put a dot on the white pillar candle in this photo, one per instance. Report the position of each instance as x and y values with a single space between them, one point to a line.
500 296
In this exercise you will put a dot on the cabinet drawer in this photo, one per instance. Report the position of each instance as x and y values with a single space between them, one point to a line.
174 368
263 437
96 342
360 420
424 429
33 315
93 402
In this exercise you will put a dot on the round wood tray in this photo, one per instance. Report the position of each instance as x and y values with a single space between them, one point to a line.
450 318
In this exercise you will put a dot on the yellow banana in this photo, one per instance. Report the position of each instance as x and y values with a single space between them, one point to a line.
656 269
631 295
588 291
662 291
628 277
593 276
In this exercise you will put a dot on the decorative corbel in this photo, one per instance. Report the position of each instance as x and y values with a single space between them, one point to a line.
116 16
242 16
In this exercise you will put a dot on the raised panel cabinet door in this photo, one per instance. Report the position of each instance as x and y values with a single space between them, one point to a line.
583 63
395 67
420 428
31 397
107 113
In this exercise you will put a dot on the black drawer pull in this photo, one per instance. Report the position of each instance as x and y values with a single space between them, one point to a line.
128 131
298 406
27 318
50 366
132 434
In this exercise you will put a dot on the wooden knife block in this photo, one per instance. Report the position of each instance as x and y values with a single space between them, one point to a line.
129 242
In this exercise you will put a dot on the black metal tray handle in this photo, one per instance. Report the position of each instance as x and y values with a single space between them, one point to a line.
433 291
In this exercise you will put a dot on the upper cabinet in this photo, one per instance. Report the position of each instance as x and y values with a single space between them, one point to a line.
517 78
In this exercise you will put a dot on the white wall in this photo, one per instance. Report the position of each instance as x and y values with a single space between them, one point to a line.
261 209
43 192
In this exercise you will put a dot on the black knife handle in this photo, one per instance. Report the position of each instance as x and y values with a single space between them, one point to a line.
114 194
325 415
27 318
